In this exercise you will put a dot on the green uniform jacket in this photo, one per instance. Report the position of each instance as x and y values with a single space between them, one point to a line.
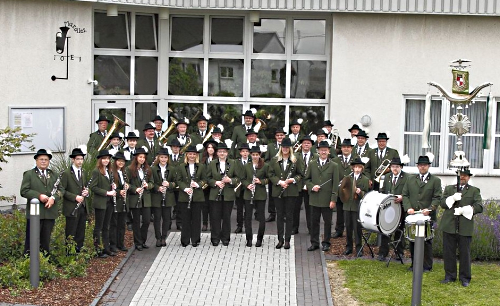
397 189
239 135
272 151
419 195
470 196
366 151
317 175
99 186
183 179
276 174
71 188
235 153
151 152
33 185
95 140
241 173
133 196
300 159
375 161
362 183
196 137
156 195
180 160
175 135
247 179
213 175
345 168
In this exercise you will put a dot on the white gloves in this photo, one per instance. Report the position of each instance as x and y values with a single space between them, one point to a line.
466 211
452 199
457 196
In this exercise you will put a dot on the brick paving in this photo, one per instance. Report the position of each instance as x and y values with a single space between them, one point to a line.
188 276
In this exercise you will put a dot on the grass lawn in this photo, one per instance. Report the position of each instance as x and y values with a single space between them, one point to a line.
372 283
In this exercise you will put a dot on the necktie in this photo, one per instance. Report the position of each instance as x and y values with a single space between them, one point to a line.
244 162
345 160
394 180
158 134
79 174
462 187
151 144
175 157
305 158
322 163
422 177
380 152
359 151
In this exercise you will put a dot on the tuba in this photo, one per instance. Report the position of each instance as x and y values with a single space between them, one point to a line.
184 148
117 125
209 133
163 137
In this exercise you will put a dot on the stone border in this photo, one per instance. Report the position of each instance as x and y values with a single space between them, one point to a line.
326 279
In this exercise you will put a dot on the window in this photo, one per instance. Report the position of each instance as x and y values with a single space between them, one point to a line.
225 77
185 77
309 36
226 72
444 143
269 36
227 35
111 32
496 136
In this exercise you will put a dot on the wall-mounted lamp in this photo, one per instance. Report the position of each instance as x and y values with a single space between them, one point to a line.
254 16
366 120
61 39
112 10
164 13
90 81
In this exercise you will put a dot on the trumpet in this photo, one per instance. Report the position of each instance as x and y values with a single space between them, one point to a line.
163 137
117 125
382 169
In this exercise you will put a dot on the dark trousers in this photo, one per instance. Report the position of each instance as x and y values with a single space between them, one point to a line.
450 244
271 207
259 211
353 228
191 222
141 230
427 254
176 210
75 227
307 208
296 213
220 211
339 224
46 226
240 208
316 213
384 244
117 230
101 229
284 209
162 221
205 207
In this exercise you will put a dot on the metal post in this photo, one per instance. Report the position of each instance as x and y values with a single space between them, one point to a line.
35 243
418 264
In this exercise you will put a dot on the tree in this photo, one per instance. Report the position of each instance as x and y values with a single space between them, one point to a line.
11 140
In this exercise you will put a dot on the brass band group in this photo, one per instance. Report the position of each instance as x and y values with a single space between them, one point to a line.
197 178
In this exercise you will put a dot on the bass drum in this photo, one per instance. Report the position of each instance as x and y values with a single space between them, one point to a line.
379 213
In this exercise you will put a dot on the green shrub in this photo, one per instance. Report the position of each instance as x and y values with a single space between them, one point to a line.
12 234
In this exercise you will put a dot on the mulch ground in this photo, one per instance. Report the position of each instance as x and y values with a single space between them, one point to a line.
74 291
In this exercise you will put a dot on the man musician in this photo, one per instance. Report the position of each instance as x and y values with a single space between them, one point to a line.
198 135
240 131
377 157
149 142
158 121
181 135
96 138
393 184
362 148
335 139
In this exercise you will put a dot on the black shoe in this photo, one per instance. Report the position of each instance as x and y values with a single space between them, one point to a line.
238 230
225 243
123 249
279 245
195 244
163 242
113 249
271 218
204 228
313 247
347 252
287 245
144 246
258 244
381 258
102 255
110 253
410 269
184 245
138 247
337 235
295 232
249 243
465 283
326 248
158 243
179 227
447 280
215 243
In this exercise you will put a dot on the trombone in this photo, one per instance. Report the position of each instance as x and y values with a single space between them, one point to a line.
382 169
117 125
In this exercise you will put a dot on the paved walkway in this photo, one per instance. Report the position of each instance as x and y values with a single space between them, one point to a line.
233 275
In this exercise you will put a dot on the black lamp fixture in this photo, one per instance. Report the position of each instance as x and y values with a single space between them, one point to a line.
61 39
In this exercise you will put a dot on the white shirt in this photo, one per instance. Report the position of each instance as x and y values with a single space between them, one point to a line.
223 166
75 169
120 174
191 169
322 162
162 170
141 173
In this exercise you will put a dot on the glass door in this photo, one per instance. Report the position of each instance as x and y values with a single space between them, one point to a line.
112 110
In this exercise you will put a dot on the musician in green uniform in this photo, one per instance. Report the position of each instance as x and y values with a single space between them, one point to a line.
362 148
240 202
422 192
460 204
40 183
202 130
378 156
149 142
96 138
305 157
240 131
158 121
118 218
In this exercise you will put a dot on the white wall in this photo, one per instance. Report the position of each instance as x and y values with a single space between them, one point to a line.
378 58
28 30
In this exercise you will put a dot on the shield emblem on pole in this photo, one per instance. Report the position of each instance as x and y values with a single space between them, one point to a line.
460 82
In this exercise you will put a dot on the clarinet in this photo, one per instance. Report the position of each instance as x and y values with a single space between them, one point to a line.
164 193
222 189
112 180
192 193
287 177
126 189
81 203
56 185
253 183
142 183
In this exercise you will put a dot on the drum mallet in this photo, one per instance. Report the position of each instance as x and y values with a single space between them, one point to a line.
418 264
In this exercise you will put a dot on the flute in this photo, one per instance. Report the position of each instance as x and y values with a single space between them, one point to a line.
142 184
81 203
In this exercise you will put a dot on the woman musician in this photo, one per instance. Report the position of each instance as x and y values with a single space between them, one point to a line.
208 154
254 180
117 224
284 174
191 180
139 197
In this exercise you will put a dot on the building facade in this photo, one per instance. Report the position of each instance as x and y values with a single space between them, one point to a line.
315 60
